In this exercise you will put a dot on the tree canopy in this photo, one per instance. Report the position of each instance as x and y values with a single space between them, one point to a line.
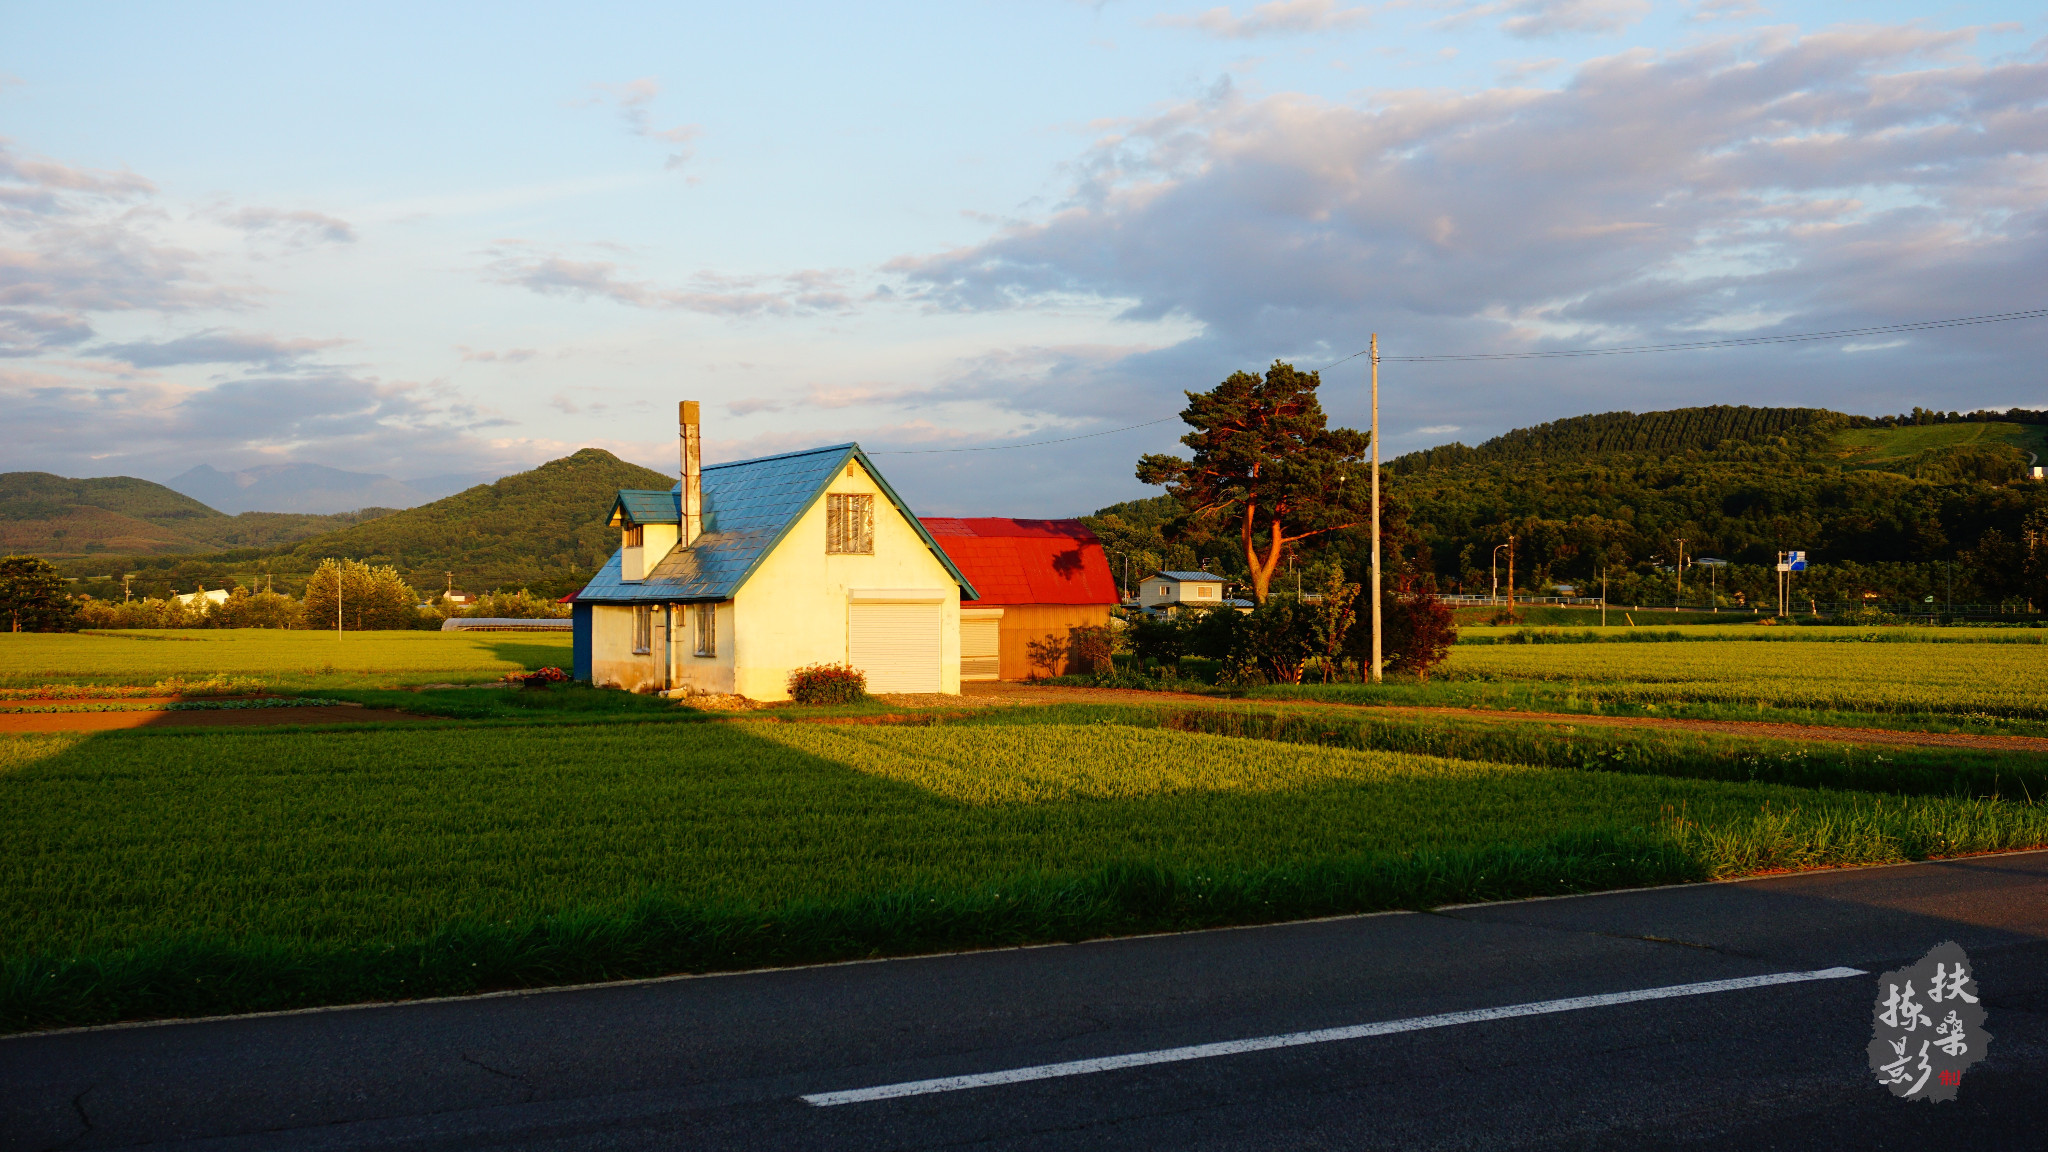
32 596
1266 462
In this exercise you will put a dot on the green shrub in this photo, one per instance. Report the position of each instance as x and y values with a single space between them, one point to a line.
828 684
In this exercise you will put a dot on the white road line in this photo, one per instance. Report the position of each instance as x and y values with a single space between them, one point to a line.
1320 1036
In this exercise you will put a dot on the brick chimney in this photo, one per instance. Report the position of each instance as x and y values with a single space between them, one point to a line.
693 474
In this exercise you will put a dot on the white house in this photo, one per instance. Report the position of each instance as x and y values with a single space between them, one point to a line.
201 599
1168 591
747 571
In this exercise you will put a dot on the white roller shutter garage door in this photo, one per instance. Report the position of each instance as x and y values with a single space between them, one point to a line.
981 645
897 645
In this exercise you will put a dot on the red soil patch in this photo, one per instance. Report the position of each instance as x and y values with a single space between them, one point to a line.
11 722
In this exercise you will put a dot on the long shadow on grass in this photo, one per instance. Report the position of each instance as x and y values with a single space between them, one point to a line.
159 875
527 653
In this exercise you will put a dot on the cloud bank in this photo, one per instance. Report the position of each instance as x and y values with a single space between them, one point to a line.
1762 183
1275 18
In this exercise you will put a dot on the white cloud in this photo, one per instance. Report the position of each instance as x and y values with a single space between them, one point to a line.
297 229
1274 18
1705 10
216 347
1647 192
1532 19
74 242
633 100
1857 176
807 291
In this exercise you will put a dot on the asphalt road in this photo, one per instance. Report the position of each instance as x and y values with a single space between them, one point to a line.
724 1061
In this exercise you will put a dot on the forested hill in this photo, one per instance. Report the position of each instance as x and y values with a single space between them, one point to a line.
1807 431
1882 506
1896 506
542 529
539 529
1657 433
58 517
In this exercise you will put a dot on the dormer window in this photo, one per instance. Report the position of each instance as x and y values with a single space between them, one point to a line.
636 536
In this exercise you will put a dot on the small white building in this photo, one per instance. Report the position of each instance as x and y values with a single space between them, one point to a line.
202 599
1168 591
747 571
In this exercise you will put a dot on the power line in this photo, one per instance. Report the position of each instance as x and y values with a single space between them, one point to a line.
1033 444
1731 342
1623 350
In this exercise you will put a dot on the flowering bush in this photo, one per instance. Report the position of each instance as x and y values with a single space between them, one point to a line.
828 684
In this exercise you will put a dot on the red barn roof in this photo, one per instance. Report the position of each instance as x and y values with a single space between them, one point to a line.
1027 561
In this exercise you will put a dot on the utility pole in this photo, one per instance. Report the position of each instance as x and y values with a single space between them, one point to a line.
1603 595
1679 596
1493 566
125 577
1511 573
1378 662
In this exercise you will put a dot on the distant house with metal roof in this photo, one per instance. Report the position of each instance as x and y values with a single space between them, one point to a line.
1037 578
747 571
504 624
1170 591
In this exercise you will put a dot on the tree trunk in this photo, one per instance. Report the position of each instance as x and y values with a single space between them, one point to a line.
1261 570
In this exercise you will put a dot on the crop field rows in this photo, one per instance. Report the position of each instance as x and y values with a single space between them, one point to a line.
514 838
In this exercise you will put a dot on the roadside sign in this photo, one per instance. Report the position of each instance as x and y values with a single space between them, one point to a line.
1796 560
1784 567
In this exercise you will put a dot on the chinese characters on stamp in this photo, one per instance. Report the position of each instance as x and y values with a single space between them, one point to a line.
1928 1026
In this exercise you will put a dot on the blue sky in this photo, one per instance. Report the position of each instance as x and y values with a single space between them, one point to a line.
479 237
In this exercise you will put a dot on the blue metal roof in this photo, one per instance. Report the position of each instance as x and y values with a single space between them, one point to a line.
647 506
749 505
1184 576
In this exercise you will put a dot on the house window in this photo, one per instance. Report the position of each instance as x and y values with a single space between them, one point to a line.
636 536
707 628
850 524
643 629
1204 592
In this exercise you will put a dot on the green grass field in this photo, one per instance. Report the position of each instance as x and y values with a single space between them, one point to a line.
292 659
526 838
169 873
1656 632
1991 687
1881 447
1987 679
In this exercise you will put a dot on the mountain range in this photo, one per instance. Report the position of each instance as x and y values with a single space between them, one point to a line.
58 517
1612 493
312 488
542 529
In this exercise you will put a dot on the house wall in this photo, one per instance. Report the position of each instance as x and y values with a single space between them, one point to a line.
796 608
1023 623
1155 592
613 663
579 641
703 673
